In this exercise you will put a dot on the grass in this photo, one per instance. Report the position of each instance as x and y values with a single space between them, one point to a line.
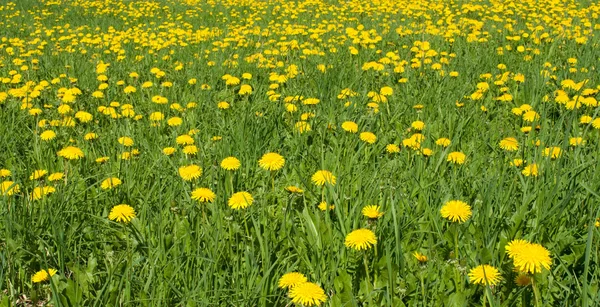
177 251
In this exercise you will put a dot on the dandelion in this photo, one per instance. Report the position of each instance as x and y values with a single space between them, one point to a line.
70 153
169 150
308 294
190 172
515 246
230 164
39 192
444 142
576 141
122 213
290 280
190 150
360 239
294 189
8 188
420 257
456 211
530 116
509 144
47 135
457 157
126 141
372 212
240 200
351 127
484 275
203 195
368 137
392 148
4 173
43 275
38 174
110 183
56 176
530 170
245 89
271 161
552 152
302 126
532 258
323 206
418 125
323 176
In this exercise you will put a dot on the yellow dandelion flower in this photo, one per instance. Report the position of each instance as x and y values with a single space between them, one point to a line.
169 150
43 275
323 176
552 152
71 153
126 141
38 174
532 259
444 142
420 257
485 275
230 164
240 200
294 189
456 211
509 144
372 211
290 280
351 127
190 172
530 170
190 150
56 176
271 161
457 157
308 294
323 206
368 137
203 195
515 246
122 213
110 183
360 239
392 148
47 135
530 116
4 173
8 188
418 125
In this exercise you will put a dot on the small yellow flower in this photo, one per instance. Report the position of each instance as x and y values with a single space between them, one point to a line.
368 137
457 157
230 164
240 200
323 176
203 195
420 257
110 183
360 239
372 212
43 275
122 213
456 211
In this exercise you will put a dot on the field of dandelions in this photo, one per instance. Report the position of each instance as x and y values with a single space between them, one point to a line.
299 153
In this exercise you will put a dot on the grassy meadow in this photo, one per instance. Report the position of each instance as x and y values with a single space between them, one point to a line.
299 153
